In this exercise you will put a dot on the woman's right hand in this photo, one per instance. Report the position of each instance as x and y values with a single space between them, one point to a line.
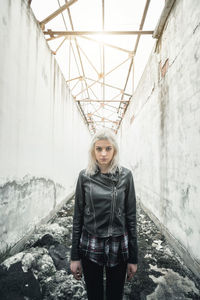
76 269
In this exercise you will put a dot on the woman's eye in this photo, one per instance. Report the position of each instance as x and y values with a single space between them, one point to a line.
108 148
99 149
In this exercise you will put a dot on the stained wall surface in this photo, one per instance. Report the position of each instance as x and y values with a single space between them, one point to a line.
43 138
160 134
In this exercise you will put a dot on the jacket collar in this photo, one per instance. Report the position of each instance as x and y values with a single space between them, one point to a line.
98 170
108 176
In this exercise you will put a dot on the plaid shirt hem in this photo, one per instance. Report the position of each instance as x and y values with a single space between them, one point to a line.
104 251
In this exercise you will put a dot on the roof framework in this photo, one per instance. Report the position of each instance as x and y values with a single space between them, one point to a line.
102 100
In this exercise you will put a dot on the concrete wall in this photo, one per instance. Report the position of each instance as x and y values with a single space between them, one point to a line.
160 135
43 139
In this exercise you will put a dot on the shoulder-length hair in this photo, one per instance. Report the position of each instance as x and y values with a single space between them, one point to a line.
104 134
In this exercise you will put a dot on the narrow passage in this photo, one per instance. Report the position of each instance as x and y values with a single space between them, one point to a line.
41 270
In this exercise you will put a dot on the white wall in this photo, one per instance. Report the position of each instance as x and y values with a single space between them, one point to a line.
43 139
162 143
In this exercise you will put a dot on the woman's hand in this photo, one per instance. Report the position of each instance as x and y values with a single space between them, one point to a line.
131 270
76 269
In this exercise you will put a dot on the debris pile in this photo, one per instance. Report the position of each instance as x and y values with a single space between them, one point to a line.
41 270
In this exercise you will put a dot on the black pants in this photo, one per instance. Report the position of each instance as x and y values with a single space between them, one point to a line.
115 279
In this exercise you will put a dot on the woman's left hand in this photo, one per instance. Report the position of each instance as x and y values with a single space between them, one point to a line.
131 270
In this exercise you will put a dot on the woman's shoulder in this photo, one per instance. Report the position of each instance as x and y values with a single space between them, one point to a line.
124 170
82 172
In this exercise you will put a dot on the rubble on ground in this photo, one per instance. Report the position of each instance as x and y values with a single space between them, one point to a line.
41 270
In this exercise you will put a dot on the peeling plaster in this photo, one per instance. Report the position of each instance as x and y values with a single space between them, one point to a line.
23 205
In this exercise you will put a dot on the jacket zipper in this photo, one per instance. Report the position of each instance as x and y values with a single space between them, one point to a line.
112 210
92 206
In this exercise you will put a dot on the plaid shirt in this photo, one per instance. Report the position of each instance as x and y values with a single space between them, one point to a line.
104 251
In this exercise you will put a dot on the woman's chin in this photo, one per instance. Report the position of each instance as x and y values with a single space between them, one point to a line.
104 163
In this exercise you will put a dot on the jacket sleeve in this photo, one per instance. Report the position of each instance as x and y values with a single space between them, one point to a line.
78 218
131 221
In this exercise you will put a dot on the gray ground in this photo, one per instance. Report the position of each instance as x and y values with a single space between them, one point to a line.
41 270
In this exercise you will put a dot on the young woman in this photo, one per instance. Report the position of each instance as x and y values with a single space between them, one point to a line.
104 223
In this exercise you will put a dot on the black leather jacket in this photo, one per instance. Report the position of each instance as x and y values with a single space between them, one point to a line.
105 205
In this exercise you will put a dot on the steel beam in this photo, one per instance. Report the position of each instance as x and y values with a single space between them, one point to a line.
104 118
137 41
164 15
52 33
78 51
106 44
89 61
109 85
135 50
101 101
57 12
142 23
103 76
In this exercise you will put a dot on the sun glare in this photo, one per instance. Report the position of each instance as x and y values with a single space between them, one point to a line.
100 37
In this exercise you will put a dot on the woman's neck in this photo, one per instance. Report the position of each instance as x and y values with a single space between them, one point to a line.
103 169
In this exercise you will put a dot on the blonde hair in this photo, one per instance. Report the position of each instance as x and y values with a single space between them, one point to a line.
104 134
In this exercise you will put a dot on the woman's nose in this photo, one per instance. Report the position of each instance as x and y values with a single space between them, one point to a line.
103 152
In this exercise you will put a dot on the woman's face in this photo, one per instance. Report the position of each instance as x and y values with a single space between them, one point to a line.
104 152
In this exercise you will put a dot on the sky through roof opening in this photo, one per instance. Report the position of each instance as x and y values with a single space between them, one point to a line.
101 70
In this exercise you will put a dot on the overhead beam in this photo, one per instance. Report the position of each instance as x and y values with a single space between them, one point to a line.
80 77
92 100
78 51
57 12
102 121
109 85
164 15
53 38
52 33
104 75
55 52
89 61
137 41
104 118
105 44
131 67
142 24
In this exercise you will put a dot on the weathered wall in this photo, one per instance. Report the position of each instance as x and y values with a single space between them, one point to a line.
160 135
43 139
